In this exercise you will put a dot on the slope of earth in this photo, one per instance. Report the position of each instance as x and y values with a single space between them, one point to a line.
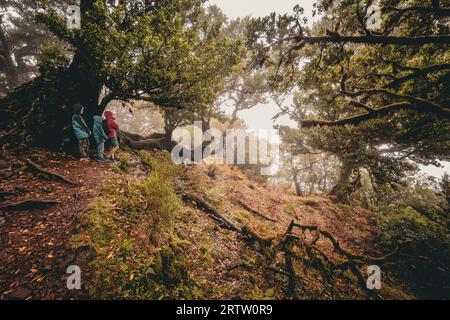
268 210
135 234
162 231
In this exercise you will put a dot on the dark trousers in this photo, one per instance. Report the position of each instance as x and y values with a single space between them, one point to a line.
83 147
100 151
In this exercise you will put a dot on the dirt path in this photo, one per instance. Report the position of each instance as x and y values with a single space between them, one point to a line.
33 252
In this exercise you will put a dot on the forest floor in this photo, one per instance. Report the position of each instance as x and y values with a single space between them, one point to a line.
33 243
36 246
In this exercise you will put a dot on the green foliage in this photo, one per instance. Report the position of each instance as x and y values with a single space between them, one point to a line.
416 218
428 275
53 59
164 52
21 40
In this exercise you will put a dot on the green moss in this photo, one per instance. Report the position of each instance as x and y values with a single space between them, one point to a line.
258 294
160 162
131 227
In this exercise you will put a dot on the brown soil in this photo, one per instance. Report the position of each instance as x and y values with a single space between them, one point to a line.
33 242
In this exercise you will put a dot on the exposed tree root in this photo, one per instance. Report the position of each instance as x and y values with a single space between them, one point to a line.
7 194
255 212
295 247
279 271
29 205
209 208
48 173
243 265
152 142
253 235
337 246
249 267
158 141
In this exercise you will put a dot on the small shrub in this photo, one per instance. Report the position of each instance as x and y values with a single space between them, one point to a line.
125 165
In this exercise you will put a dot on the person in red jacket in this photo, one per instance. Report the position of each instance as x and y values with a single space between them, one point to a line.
112 134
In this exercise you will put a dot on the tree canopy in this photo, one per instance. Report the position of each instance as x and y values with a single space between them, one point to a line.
164 52
376 98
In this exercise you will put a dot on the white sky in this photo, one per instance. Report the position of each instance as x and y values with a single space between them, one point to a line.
258 8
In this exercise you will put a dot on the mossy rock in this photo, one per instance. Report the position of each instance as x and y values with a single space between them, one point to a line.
171 266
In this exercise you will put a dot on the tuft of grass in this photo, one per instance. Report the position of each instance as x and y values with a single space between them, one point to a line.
290 210
160 162
258 294
130 226
124 164
346 211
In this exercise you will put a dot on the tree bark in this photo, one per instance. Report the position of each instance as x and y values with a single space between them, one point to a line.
345 186
12 76
298 187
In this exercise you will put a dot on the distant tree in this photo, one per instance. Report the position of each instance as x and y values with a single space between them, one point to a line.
214 17
247 86
310 170
20 40
138 117
244 90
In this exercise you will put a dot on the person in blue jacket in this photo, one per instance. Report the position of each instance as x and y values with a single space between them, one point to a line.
81 131
99 137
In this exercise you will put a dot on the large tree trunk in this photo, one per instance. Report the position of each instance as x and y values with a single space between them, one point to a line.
12 75
298 187
39 112
346 183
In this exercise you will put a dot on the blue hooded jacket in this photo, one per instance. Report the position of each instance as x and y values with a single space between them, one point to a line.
79 126
97 130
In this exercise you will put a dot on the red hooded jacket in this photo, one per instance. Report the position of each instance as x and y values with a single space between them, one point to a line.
112 124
